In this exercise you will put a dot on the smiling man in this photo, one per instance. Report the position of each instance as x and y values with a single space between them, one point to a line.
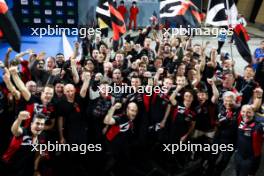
249 143
19 159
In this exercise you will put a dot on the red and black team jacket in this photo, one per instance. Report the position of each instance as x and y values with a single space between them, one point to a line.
250 139
155 106
122 127
17 143
32 107
181 119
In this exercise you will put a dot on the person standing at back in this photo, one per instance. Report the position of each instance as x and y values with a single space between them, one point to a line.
122 9
133 15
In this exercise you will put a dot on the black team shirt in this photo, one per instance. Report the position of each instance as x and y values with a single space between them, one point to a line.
19 156
74 119
121 130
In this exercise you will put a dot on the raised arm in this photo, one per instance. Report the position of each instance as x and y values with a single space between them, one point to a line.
213 57
109 120
16 129
34 62
86 77
198 77
75 74
157 76
19 83
7 56
174 94
202 57
215 91
257 101
76 50
10 86
19 56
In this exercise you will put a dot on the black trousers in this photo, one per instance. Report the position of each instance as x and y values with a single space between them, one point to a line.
220 45
246 166
218 163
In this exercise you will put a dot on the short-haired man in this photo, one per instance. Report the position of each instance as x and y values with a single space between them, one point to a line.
19 159
119 135
249 143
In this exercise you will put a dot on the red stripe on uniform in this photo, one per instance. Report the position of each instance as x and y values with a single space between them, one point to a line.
13 147
113 131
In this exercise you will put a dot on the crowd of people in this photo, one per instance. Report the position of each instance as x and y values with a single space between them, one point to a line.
68 101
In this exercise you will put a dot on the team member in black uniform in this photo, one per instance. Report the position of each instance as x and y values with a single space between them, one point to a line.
96 108
71 120
249 143
181 123
225 133
72 128
205 119
156 106
246 84
206 112
119 136
140 122
19 159
36 104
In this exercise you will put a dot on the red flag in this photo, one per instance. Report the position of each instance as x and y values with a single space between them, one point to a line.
241 37
9 27
118 24
181 13
241 29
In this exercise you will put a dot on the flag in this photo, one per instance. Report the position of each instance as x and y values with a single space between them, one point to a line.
241 37
216 14
9 27
117 21
222 13
103 14
67 49
181 13
108 16
232 13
